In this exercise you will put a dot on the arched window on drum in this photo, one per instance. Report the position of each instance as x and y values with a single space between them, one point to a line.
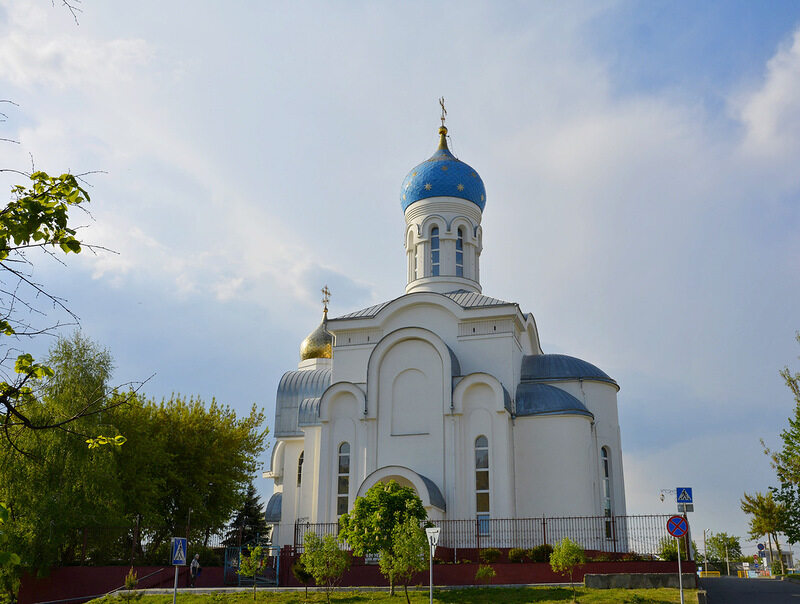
343 481
435 251
460 253
482 484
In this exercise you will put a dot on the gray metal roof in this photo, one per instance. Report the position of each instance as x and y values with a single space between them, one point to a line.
434 494
293 389
273 513
554 367
308 413
461 297
543 399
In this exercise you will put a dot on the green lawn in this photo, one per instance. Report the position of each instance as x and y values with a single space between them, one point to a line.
521 595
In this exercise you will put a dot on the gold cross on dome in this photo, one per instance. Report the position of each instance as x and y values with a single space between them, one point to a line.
326 297
444 111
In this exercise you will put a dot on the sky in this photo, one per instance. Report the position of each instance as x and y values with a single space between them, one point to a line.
641 168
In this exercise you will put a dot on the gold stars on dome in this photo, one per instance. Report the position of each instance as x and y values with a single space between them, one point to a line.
460 187
428 186
444 168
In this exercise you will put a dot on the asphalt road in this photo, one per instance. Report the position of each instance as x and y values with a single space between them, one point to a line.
729 590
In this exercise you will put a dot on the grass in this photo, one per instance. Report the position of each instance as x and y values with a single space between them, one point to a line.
520 595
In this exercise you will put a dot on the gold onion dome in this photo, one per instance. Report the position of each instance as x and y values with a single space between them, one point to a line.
319 343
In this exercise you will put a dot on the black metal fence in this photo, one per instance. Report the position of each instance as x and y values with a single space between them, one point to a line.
610 534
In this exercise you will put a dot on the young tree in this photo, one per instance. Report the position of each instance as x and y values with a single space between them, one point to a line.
787 462
409 555
722 546
566 557
251 564
767 519
248 524
668 549
302 575
370 527
324 560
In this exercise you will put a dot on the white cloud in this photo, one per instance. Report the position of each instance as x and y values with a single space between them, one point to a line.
32 55
771 113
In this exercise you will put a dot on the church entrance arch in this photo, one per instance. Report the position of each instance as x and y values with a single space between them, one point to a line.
429 493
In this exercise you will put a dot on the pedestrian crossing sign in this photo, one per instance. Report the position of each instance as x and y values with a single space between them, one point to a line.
178 551
684 495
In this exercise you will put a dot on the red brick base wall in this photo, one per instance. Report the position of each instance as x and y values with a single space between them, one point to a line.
80 582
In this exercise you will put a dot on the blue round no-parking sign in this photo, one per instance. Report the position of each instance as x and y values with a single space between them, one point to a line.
677 526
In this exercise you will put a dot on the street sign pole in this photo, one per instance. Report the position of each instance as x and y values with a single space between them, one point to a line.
678 527
433 539
178 558
680 576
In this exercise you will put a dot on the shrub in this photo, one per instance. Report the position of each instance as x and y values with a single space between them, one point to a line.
602 558
517 554
540 553
485 574
490 555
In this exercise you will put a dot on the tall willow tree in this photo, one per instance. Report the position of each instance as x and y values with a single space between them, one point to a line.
184 468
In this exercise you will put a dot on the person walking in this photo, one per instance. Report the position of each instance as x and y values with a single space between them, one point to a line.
194 569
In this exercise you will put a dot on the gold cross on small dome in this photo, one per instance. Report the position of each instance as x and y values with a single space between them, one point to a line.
326 297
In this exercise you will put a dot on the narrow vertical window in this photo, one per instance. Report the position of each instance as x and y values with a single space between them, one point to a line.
482 484
606 491
343 483
435 251
300 468
416 265
460 253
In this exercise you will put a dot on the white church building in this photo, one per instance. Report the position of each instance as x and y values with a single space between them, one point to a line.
443 389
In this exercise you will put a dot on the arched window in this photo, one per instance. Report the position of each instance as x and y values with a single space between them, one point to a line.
435 251
604 457
300 468
482 484
460 253
416 264
343 483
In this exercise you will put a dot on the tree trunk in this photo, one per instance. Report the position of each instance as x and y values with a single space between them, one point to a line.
391 585
780 554
408 600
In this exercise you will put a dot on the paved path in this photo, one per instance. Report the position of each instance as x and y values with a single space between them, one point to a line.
729 590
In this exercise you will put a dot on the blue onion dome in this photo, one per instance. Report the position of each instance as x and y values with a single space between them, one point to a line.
443 176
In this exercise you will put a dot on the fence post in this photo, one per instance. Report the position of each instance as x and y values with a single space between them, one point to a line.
614 531
544 531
